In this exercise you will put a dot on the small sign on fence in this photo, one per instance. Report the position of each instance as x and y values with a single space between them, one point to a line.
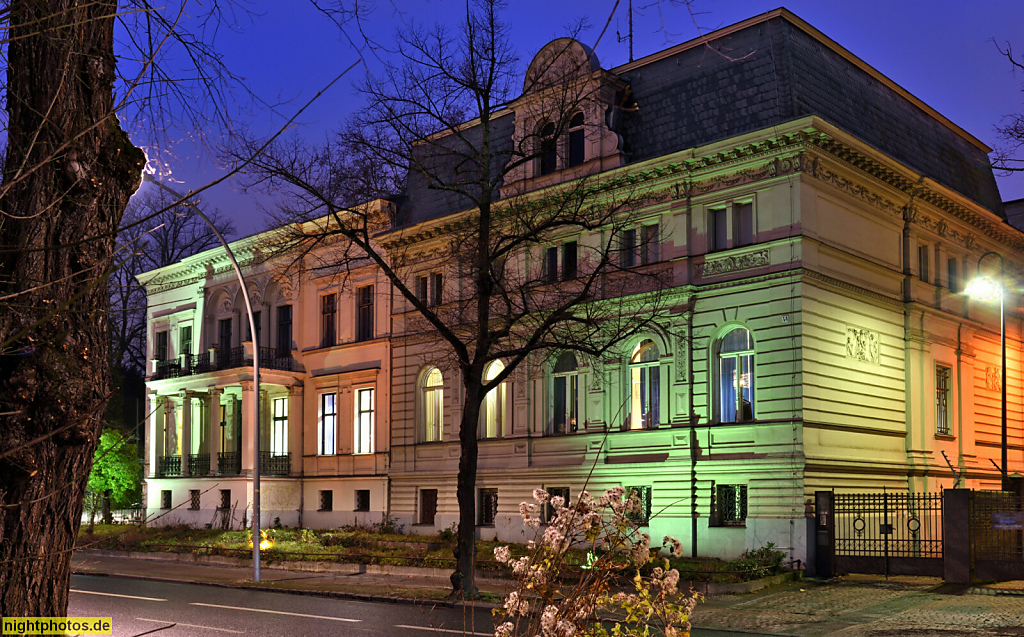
1008 520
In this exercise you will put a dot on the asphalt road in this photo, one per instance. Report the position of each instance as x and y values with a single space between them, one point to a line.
173 610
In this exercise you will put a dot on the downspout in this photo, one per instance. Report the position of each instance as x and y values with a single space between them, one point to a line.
961 465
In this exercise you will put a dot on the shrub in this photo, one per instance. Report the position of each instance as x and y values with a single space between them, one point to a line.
763 562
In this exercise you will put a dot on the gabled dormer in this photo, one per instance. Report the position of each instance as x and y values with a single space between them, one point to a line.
562 119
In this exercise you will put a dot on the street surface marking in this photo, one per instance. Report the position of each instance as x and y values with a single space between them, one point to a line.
276 612
161 621
148 599
443 630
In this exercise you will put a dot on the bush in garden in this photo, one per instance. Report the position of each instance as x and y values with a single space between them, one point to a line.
553 600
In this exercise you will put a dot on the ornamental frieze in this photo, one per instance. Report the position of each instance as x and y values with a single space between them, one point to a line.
862 345
817 169
723 265
941 228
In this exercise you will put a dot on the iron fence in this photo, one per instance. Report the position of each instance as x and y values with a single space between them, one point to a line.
888 524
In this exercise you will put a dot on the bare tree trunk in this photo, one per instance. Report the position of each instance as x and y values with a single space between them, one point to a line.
67 177
464 577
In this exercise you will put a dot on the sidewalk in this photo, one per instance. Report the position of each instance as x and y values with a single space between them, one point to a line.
854 606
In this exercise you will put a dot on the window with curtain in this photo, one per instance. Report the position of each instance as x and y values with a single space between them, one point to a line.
492 412
644 386
736 376
432 412
565 394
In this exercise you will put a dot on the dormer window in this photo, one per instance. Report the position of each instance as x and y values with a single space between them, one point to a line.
576 140
548 149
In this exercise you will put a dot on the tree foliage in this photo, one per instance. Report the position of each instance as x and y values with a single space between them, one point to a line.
115 475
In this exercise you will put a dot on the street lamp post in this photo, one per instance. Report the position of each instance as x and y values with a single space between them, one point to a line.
986 289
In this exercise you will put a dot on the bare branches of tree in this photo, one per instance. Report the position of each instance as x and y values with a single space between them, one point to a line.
1011 129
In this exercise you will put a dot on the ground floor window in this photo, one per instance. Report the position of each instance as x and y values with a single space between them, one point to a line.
728 504
362 500
428 505
225 499
165 499
193 497
326 500
548 513
641 517
488 507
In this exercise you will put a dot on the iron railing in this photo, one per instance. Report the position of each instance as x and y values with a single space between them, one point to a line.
168 369
888 524
169 466
229 463
199 464
272 464
223 358
997 526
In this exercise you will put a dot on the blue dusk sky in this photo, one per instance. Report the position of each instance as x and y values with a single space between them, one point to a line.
940 50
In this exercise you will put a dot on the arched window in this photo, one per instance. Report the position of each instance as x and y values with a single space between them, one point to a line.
492 412
576 140
644 386
431 405
736 376
548 149
566 390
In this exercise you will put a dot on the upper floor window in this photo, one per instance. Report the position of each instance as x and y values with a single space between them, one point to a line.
953 269
432 412
257 318
429 289
224 333
566 389
492 411
547 149
922 263
161 346
942 374
284 328
731 226
364 313
644 386
736 376
328 424
577 139
364 421
328 320
185 340
568 262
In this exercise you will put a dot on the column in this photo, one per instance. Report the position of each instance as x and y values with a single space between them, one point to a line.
214 420
295 428
155 424
186 431
248 427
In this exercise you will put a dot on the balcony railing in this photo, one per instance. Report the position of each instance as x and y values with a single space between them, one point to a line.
169 466
229 463
225 358
199 464
272 464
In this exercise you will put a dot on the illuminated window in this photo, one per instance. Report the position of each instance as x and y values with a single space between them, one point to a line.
942 374
644 386
736 376
364 421
279 427
492 412
728 504
566 389
328 424
432 406
641 517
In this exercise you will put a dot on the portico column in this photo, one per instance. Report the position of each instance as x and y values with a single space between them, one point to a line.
295 442
155 424
214 421
248 428
186 431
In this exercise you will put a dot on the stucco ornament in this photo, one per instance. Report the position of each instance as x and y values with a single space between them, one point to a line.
862 345
993 378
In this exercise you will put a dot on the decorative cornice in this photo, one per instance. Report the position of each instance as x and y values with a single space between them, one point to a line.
849 287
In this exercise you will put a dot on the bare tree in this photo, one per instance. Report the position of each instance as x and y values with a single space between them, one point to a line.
443 120
1011 130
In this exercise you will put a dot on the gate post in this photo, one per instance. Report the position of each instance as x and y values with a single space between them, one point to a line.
956 536
824 534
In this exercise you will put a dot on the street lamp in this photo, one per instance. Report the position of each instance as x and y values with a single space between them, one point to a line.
985 289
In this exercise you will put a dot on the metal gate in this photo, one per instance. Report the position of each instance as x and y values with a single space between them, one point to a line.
997 535
885 533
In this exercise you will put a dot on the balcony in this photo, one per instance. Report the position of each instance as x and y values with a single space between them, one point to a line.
168 466
272 464
229 463
220 359
199 464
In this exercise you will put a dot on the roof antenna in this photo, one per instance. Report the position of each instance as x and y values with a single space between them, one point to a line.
630 35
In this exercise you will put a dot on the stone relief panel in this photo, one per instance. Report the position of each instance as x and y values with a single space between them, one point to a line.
733 263
862 345
994 378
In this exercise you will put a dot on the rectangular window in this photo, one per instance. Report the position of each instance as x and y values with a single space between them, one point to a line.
488 507
422 292
328 320
328 424
364 421
643 494
942 374
566 397
364 313
551 265
225 499
185 340
649 248
719 230
924 272
279 428
428 505
744 224
728 504
224 333
257 318
627 254
284 328
326 497
165 499
568 260
438 281
548 512
161 346
193 499
362 500
953 269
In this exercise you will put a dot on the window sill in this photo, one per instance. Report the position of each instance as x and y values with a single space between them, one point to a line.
949 437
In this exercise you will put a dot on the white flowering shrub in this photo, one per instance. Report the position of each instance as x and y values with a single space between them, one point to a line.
610 595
